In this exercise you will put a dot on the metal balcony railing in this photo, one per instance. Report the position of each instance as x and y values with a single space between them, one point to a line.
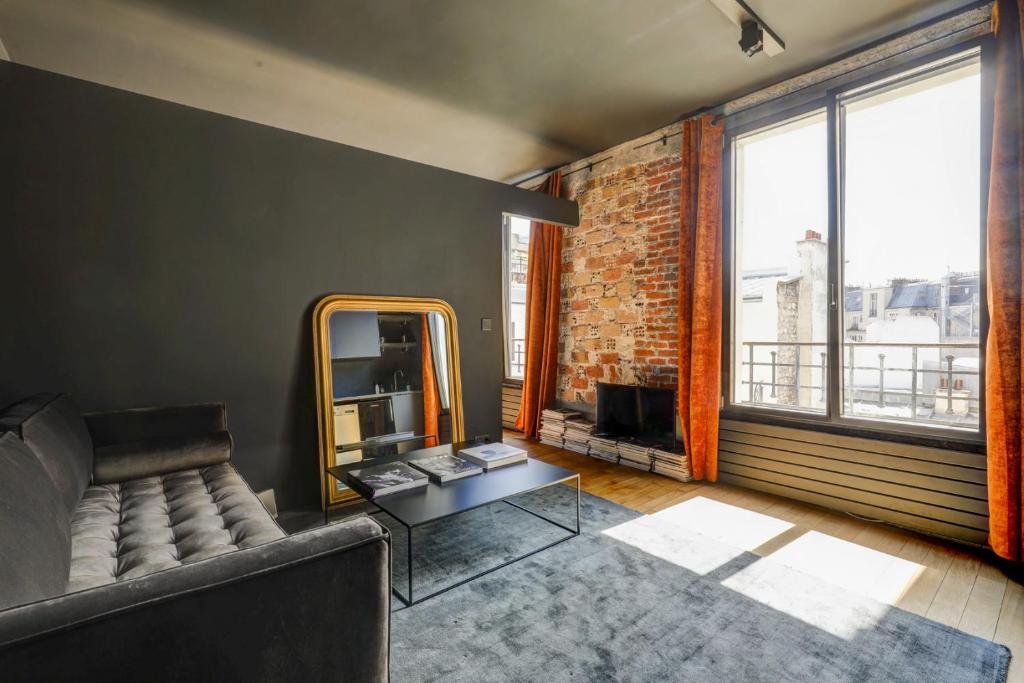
517 271
948 391
516 357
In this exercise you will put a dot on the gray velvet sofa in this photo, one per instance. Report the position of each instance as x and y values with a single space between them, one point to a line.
131 549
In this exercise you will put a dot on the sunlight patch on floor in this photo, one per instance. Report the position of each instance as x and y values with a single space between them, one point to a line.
739 527
699 534
813 601
835 585
850 566
681 547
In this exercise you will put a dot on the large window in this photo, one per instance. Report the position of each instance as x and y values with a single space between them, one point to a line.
857 292
516 250
781 256
911 231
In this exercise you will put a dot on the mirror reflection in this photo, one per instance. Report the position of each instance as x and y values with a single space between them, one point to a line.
390 382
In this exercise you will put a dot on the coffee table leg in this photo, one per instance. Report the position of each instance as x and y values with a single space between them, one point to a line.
404 599
577 504
408 558
574 532
408 599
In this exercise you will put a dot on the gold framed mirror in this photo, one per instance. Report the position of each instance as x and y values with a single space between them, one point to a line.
387 380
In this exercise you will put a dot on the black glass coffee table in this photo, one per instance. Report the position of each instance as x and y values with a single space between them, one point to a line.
439 501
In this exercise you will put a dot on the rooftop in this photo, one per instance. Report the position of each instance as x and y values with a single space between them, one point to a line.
915 295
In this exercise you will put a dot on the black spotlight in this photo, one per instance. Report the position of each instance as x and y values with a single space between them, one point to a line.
751 38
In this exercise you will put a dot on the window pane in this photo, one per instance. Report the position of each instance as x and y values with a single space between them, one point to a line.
911 249
781 279
517 242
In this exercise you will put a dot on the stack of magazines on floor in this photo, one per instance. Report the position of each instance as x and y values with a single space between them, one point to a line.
570 430
634 455
669 464
604 449
578 432
552 425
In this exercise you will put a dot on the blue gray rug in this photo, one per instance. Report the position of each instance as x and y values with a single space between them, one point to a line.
599 608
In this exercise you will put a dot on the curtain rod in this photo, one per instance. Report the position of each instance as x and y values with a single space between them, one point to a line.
588 166
665 136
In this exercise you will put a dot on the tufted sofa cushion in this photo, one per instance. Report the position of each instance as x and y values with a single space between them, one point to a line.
126 530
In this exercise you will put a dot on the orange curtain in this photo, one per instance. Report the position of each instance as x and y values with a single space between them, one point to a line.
700 293
431 398
1003 381
543 301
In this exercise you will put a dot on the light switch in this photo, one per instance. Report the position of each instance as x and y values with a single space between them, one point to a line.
485 324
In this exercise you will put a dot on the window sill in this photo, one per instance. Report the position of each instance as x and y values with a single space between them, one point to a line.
970 443
511 382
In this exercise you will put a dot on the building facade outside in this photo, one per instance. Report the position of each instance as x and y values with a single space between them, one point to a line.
910 346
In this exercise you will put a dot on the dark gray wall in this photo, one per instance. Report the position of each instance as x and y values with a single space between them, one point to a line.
154 254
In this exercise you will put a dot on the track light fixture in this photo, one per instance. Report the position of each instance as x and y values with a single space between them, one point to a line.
755 35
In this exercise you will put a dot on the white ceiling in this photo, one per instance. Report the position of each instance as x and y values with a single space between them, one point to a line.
486 87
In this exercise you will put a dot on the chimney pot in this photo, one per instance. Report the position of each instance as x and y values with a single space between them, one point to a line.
812 235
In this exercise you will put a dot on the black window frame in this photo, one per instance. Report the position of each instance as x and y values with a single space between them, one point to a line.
832 420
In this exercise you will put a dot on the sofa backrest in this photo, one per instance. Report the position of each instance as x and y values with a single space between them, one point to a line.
52 426
35 534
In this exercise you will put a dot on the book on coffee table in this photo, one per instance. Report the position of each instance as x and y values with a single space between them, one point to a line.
445 468
392 477
493 455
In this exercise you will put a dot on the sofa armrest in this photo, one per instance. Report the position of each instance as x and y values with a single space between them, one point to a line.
137 459
140 424
312 606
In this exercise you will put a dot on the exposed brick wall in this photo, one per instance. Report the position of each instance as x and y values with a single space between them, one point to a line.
619 278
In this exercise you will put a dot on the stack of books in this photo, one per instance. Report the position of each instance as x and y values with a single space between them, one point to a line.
634 455
492 455
382 480
604 449
552 425
669 464
444 468
577 436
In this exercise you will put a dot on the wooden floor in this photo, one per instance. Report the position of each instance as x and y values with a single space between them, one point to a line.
955 585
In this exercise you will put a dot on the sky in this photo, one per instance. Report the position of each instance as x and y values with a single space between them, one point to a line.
521 227
912 206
